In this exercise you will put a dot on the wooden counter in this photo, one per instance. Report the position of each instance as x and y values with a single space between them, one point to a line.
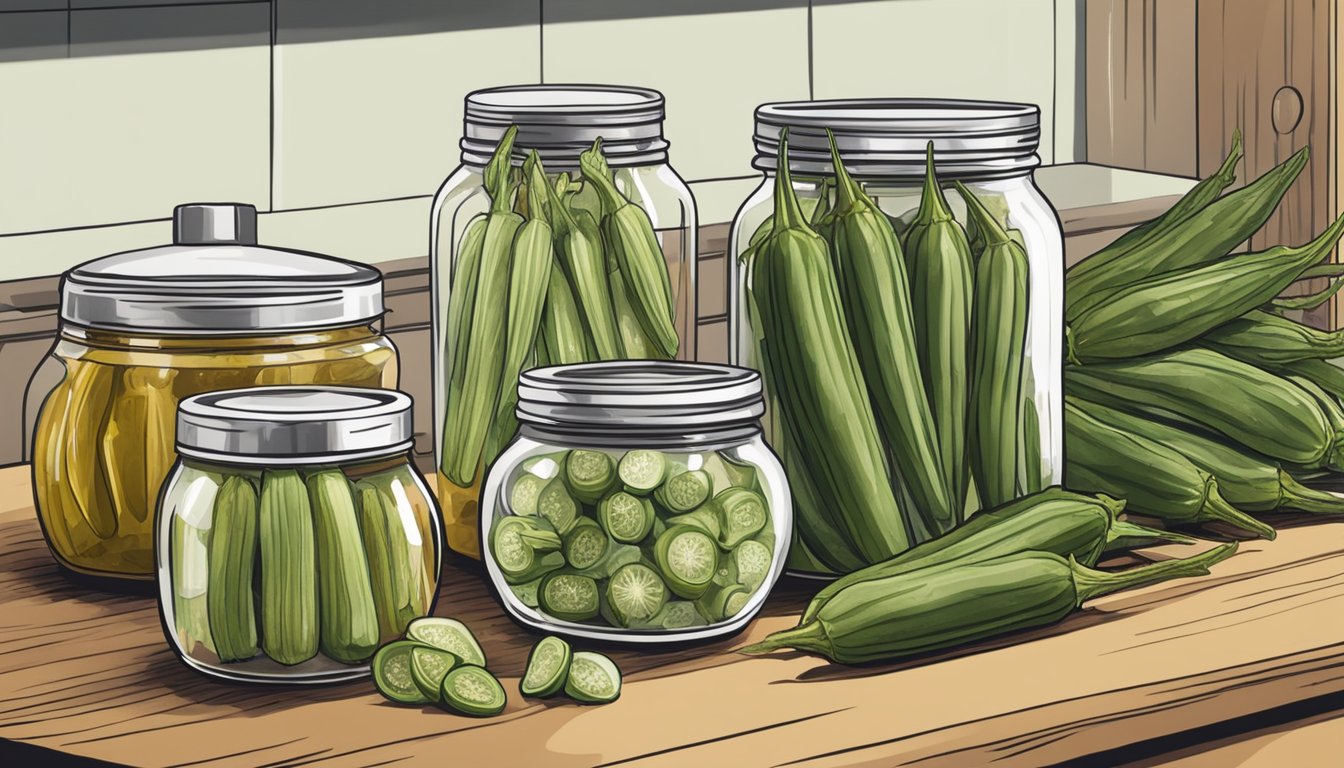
88 673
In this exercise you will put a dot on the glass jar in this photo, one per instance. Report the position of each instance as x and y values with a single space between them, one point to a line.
989 147
559 123
143 329
638 503
294 536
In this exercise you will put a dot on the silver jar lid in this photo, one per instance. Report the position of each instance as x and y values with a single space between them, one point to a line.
294 425
561 121
889 137
215 279
641 395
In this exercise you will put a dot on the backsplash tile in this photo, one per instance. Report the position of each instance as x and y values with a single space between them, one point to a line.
131 127
714 66
368 106
29 37
966 49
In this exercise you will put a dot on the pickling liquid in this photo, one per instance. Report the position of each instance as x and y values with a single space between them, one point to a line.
103 442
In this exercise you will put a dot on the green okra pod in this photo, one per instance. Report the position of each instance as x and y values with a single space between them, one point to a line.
998 338
579 247
629 233
1154 479
471 411
1249 482
941 277
348 618
875 294
529 277
1263 412
289 613
816 378
1203 237
233 557
1171 309
1266 339
958 603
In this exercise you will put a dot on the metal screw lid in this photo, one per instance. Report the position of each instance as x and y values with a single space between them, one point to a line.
641 395
561 121
888 137
294 425
214 279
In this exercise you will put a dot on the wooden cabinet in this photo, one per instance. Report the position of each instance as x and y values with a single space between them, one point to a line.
1169 80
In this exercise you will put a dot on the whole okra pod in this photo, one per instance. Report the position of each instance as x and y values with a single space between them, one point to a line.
941 279
999 337
1264 338
957 603
875 293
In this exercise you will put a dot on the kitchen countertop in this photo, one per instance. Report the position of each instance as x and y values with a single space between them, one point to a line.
1154 670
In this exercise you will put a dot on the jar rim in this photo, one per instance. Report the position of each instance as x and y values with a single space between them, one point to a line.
560 121
889 137
294 425
641 396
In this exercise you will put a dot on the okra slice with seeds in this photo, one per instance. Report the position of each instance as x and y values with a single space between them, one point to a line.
557 506
742 514
525 493
392 672
472 691
751 560
569 596
450 635
593 678
641 471
585 544
635 593
626 518
688 559
589 474
547 667
428 667
685 491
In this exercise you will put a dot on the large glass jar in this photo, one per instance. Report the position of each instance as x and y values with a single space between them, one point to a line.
989 147
141 330
294 536
623 286
638 503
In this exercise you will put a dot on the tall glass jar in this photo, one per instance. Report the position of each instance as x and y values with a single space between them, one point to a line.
990 148
294 536
623 283
141 330
637 504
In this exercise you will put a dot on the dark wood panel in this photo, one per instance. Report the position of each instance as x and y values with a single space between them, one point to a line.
1140 81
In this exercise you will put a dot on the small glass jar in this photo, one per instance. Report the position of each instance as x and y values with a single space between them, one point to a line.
559 122
141 330
293 536
638 503
990 147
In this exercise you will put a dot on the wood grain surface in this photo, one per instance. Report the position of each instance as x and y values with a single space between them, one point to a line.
89 673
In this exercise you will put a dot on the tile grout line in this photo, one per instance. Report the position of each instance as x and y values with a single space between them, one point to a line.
811 77
270 170
541 41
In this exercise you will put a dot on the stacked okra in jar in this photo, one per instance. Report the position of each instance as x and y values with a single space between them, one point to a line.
557 272
877 346
289 564
1190 391
636 540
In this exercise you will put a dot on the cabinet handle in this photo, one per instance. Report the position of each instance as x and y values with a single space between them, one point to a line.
1286 110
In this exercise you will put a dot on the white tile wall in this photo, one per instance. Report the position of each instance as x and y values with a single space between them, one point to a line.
136 121
972 49
375 116
714 66
149 103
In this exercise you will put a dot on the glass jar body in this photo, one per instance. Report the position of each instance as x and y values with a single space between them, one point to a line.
664 198
231 560
1019 206
636 565
104 428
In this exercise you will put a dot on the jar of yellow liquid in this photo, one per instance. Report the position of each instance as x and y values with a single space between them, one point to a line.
141 330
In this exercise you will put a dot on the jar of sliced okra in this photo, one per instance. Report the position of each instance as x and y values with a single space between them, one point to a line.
293 535
638 503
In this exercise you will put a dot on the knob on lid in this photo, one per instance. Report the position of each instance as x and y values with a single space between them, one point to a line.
214 223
